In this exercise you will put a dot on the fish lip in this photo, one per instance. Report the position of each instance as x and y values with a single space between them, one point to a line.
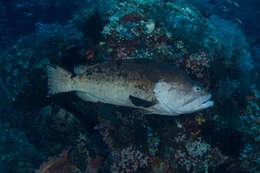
207 102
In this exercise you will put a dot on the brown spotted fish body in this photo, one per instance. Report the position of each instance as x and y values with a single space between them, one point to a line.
154 87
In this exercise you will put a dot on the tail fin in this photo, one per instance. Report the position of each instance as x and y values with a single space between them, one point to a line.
59 80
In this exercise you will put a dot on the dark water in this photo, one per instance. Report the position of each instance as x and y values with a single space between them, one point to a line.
216 43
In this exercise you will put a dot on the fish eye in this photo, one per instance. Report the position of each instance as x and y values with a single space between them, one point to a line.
197 89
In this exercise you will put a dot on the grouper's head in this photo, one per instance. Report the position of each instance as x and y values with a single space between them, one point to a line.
182 96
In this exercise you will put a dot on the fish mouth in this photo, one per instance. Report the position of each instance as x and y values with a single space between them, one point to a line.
207 102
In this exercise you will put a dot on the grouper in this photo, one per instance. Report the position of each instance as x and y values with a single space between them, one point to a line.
149 86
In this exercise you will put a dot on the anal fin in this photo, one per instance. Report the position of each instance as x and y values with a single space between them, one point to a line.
142 111
87 97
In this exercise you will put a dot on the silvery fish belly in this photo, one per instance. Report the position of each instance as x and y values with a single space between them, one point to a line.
153 87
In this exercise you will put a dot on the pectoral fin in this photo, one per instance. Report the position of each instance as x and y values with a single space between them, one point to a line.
140 102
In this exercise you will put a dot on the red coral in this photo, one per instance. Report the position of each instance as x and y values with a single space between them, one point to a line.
58 165
89 55
105 129
94 164
197 64
131 17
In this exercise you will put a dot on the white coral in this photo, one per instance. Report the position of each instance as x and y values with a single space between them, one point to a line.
197 148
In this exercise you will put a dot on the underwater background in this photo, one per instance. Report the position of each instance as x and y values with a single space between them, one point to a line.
217 43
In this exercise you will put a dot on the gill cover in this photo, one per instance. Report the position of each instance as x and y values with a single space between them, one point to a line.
161 92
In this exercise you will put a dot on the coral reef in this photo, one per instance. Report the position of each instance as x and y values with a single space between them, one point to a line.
128 160
16 149
97 137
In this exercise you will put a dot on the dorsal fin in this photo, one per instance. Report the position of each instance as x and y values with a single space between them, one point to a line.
80 69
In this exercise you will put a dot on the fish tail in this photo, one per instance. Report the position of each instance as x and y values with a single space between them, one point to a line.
59 80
